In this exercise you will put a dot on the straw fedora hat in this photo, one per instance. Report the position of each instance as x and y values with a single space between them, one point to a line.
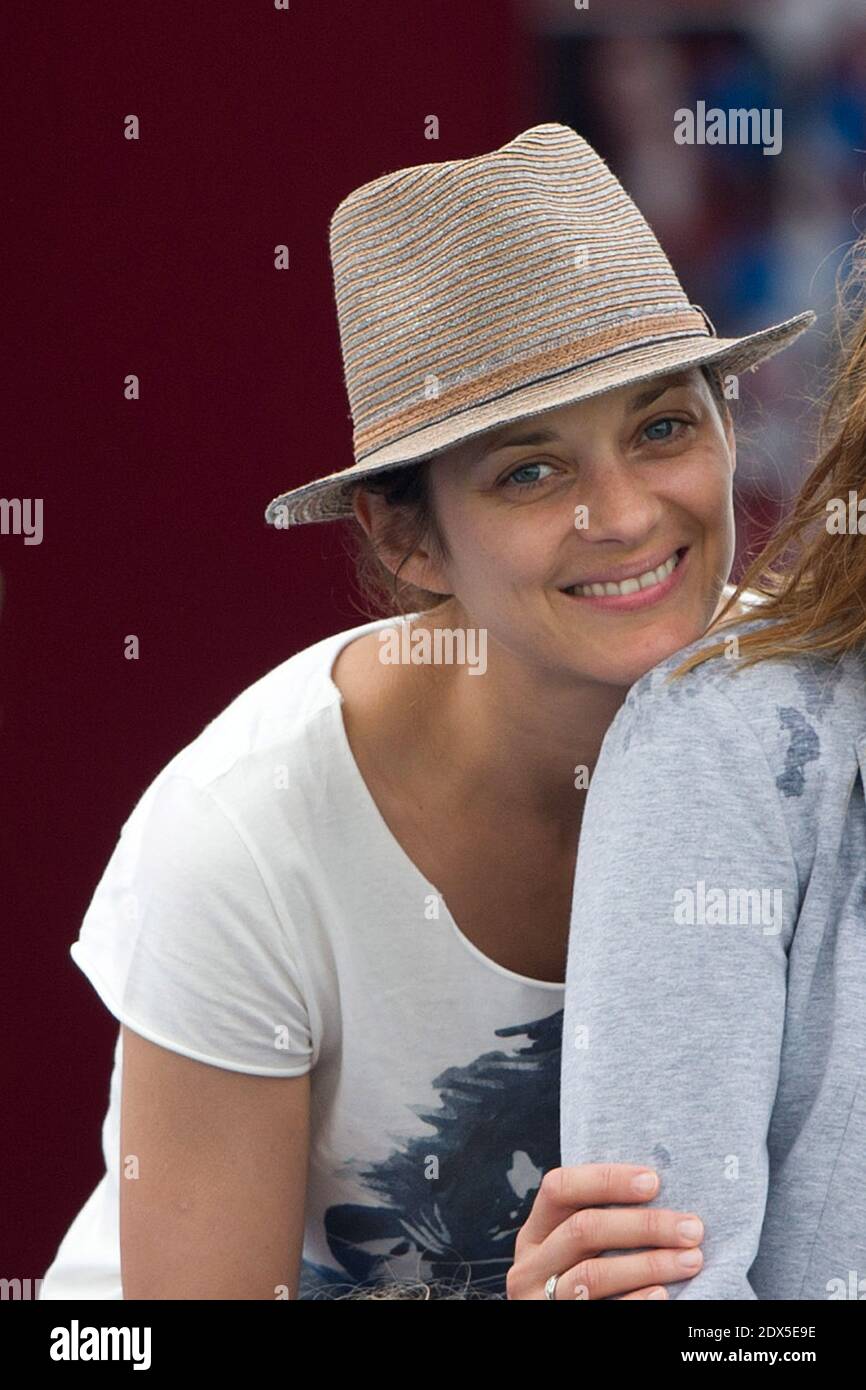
475 292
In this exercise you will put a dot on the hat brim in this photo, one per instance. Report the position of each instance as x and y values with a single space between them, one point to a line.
329 498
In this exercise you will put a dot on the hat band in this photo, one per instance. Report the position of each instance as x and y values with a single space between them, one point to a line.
654 328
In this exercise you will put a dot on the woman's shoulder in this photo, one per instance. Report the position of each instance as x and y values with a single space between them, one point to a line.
266 758
278 712
805 712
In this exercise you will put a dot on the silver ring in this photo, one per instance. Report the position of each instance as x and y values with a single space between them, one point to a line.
550 1288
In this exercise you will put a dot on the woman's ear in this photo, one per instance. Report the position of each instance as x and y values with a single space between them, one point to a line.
390 533
383 523
361 507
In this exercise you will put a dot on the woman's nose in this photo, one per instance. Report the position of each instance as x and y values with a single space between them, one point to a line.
617 505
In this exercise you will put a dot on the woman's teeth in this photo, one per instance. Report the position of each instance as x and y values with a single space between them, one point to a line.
629 586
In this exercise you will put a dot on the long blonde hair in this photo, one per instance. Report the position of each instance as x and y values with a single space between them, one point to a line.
812 580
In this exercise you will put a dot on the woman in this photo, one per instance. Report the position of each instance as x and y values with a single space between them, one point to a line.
313 1055
717 962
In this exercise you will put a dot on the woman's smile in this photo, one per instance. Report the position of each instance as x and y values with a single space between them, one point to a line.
637 590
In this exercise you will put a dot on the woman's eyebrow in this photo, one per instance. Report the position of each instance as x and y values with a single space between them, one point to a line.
532 436
658 388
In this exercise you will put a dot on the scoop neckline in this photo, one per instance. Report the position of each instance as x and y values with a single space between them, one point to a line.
396 851
387 836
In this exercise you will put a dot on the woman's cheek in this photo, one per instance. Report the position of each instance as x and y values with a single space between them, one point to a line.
707 496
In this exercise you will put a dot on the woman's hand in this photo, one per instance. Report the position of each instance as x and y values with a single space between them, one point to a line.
572 1220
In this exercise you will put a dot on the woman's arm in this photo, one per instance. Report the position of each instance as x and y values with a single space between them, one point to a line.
685 900
204 970
213 1168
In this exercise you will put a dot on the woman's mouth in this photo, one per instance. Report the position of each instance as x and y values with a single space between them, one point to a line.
638 591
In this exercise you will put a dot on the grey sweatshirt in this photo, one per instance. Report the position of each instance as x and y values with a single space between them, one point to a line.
715 1012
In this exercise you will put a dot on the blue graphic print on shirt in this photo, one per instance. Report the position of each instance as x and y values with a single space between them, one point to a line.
455 1199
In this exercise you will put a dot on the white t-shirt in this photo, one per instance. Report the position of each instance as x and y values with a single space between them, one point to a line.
258 914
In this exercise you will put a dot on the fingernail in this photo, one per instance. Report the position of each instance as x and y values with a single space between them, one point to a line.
657 1293
692 1229
689 1259
645 1183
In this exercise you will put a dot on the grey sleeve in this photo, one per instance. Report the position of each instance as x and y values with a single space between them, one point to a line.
685 900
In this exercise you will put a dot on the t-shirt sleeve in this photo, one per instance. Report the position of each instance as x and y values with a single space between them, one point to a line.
685 900
183 943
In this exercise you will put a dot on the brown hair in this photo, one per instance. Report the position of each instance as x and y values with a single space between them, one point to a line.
812 580
413 523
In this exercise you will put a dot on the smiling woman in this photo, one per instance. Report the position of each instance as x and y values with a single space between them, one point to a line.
406 490
625 514
347 901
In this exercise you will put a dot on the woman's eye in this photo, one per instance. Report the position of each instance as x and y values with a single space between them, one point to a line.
660 431
526 476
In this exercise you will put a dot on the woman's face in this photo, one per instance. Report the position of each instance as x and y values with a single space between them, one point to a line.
591 494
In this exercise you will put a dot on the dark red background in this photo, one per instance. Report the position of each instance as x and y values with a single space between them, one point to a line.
156 258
